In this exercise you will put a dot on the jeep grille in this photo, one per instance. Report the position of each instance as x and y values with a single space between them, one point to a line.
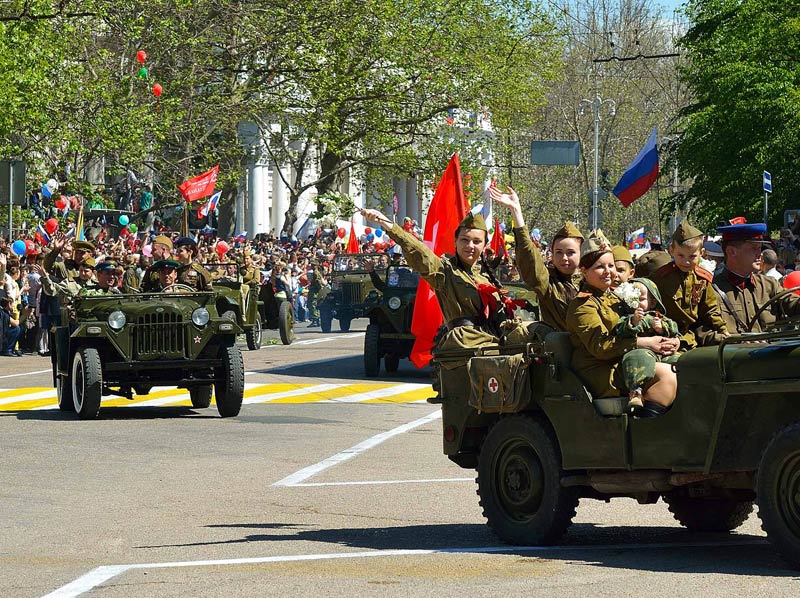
159 335
351 293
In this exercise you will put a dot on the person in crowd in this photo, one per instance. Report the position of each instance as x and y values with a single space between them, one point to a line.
66 268
146 203
741 286
651 261
70 287
769 264
713 252
190 272
686 290
11 329
605 361
130 278
167 275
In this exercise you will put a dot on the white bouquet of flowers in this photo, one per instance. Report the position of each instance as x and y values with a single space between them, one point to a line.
629 294
332 207
709 265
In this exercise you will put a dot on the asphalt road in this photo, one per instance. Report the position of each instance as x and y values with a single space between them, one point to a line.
326 484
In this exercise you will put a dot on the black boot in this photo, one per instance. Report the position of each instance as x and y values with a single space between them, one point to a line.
649 410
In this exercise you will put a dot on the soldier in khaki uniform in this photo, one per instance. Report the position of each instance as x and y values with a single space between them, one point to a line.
68 268
651 261
191 273
70 287
741 286
686 291
604 360
162 250
247 270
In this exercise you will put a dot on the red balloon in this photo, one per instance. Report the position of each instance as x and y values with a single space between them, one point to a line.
30 246
341 233
222 248
61 203
791 280
367 230
51 226
157 90
124 232
141 56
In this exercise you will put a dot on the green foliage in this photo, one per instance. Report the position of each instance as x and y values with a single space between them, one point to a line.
745 76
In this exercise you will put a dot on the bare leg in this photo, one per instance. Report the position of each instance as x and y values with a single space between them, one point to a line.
664 387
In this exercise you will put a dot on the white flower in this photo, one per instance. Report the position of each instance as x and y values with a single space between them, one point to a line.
629 294
709 265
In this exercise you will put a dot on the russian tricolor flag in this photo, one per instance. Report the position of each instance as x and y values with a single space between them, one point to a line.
636 239
640 174
41 230
210 206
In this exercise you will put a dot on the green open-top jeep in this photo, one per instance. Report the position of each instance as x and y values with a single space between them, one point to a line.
540 441
252 305
121 344
349 297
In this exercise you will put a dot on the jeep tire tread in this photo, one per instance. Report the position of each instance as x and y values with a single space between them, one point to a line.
201 396
778 492
286 323
253 335
709 514
229 390
87 382
64 394
519 483
372 359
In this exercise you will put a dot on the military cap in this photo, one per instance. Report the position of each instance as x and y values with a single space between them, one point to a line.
109 264
83 246
163 240
744 232
187 242
161 264
621 254
713 249
596 242
87 261
651 261
474 221
685 232
569 230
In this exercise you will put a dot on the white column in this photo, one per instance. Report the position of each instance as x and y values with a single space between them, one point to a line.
280 197
239 213
254 194
412 201
399 186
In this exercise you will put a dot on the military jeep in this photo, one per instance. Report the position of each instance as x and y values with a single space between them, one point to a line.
349 297
121 344
388 334
252 305
540 442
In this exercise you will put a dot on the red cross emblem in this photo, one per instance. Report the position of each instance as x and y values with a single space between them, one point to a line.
493 384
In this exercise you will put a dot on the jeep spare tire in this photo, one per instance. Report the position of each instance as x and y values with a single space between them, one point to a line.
201 396
87 383
229 387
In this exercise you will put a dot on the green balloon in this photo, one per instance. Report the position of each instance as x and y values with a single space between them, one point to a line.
143 73
133 228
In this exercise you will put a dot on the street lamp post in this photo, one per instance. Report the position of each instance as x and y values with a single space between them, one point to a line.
596 104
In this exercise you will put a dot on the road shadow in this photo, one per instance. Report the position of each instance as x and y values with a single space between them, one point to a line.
116 413
654 549
349 368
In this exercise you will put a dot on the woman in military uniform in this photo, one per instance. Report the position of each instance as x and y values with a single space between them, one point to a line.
600 357
190 272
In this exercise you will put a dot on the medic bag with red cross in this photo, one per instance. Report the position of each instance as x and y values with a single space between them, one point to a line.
499 383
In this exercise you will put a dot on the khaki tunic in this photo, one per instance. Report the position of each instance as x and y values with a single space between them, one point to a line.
591 318
195 276
130 281
691 301
59 269
745 302
555 291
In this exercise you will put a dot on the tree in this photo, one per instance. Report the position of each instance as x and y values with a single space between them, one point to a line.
744 73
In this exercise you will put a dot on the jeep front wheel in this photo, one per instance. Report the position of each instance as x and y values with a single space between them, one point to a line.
372 359
253 335
709 514
201 396
778 492
325 318
286 323
87 383
229 387
519 483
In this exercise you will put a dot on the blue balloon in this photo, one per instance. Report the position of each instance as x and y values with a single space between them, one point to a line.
378 232
18 247
502 227
123 220
370 237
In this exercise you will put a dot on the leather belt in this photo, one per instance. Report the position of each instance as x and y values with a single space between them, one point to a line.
456 322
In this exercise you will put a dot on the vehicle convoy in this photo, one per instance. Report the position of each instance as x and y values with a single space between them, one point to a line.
125 344
252 305
539 441
388 335
350 286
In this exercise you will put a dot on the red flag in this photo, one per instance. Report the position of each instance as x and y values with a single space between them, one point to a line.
446 212
352 242
498 244
200 186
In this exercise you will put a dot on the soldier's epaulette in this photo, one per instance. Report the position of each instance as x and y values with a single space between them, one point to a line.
583 294
663 270
703 273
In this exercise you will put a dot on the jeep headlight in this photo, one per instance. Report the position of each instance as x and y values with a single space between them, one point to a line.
395 303
117 319
200 316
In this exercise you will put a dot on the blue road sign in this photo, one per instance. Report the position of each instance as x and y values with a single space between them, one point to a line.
767 182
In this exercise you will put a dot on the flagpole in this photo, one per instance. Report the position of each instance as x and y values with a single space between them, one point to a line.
185 223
